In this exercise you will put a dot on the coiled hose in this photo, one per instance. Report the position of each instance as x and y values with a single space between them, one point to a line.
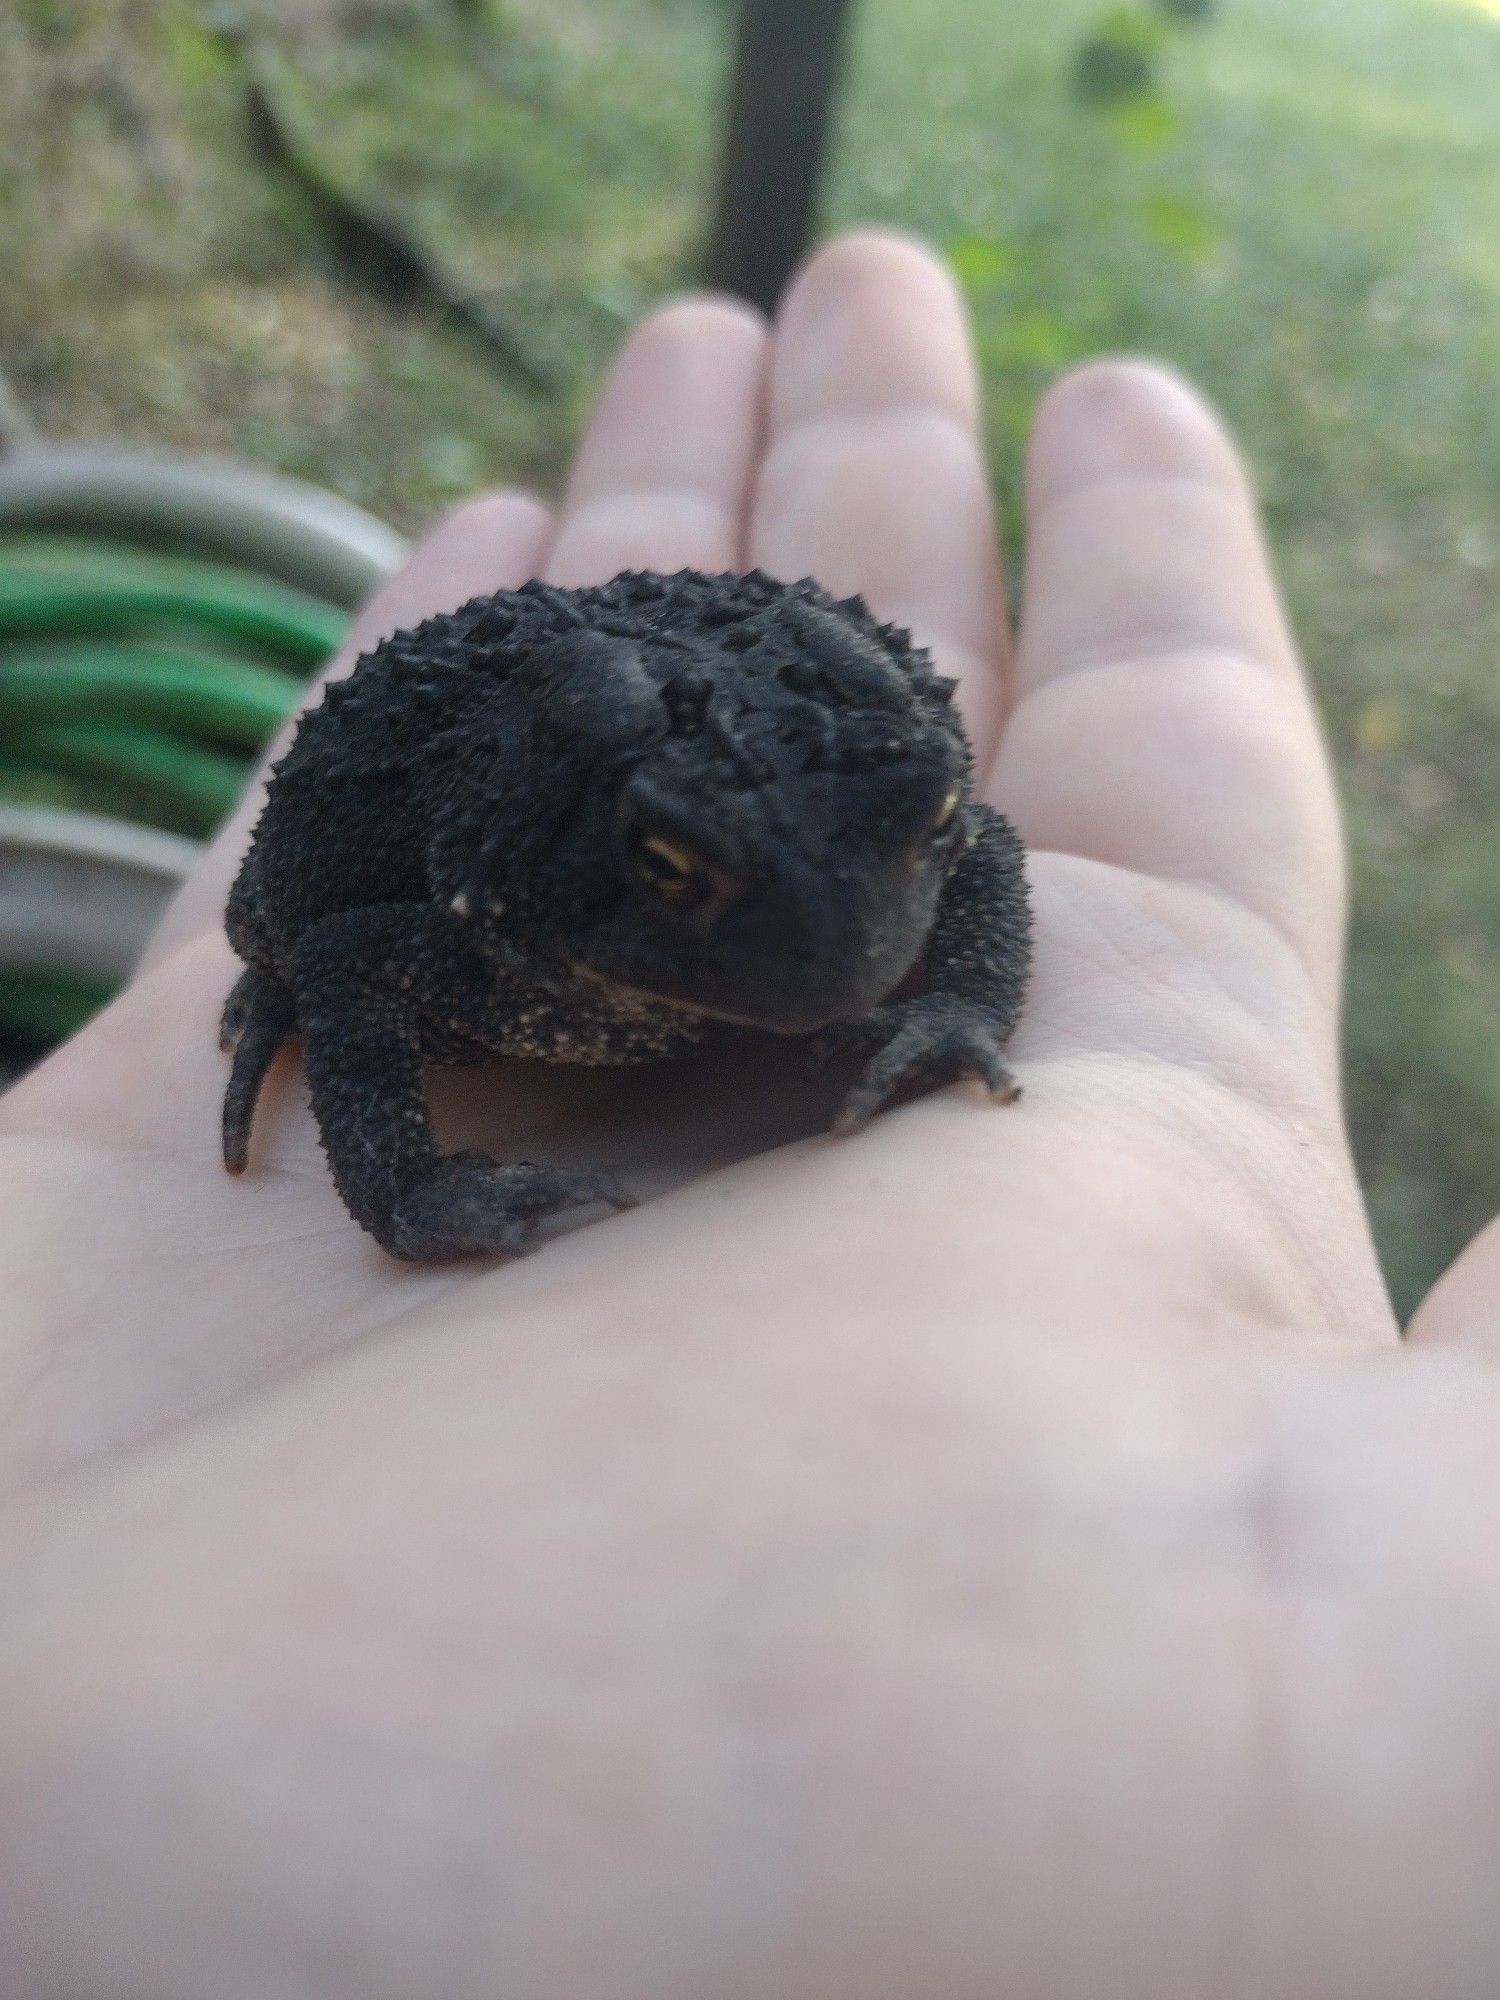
159 619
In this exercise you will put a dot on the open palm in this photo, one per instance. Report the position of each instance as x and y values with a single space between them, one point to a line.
1005 1552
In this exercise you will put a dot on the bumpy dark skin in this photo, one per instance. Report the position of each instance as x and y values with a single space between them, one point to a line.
604 826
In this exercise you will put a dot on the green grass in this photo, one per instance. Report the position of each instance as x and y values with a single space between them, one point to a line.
1308 221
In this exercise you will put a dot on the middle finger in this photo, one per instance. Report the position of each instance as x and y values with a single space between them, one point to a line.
874 478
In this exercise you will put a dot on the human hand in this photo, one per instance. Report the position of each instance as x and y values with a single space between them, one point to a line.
1005 1552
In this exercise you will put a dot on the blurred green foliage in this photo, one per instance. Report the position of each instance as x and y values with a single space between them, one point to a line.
1119 57
1298 204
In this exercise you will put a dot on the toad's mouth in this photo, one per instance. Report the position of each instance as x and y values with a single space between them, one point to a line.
648 1001
803 1023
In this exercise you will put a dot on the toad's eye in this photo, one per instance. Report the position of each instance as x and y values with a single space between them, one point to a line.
947 810
669 870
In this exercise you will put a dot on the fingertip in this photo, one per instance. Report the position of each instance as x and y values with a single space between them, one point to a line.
870 255
699 355
507 522
692 316
662 475
872 310
1127 418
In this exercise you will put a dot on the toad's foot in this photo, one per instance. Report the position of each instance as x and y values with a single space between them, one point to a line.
930 1039
258 1017
474 1206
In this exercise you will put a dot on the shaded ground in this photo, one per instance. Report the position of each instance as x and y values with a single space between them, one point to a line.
1307 219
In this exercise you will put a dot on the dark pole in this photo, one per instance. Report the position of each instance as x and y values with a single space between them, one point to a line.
786 68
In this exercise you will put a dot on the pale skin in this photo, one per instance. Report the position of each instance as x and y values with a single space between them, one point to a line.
1011 1552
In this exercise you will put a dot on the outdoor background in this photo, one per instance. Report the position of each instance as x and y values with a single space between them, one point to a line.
1297 201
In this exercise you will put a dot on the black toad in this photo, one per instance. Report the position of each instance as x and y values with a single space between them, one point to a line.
604 826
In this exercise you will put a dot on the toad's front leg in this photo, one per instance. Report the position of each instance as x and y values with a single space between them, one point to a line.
357 980
977 962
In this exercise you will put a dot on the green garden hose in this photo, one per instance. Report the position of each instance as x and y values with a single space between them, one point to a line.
142 684
41 1008
219 697
146 682
59 584
196 787
46 789
256 520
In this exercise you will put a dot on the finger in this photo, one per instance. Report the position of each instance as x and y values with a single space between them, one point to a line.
1162 723
662 476
490 544
874 477
1462 1311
